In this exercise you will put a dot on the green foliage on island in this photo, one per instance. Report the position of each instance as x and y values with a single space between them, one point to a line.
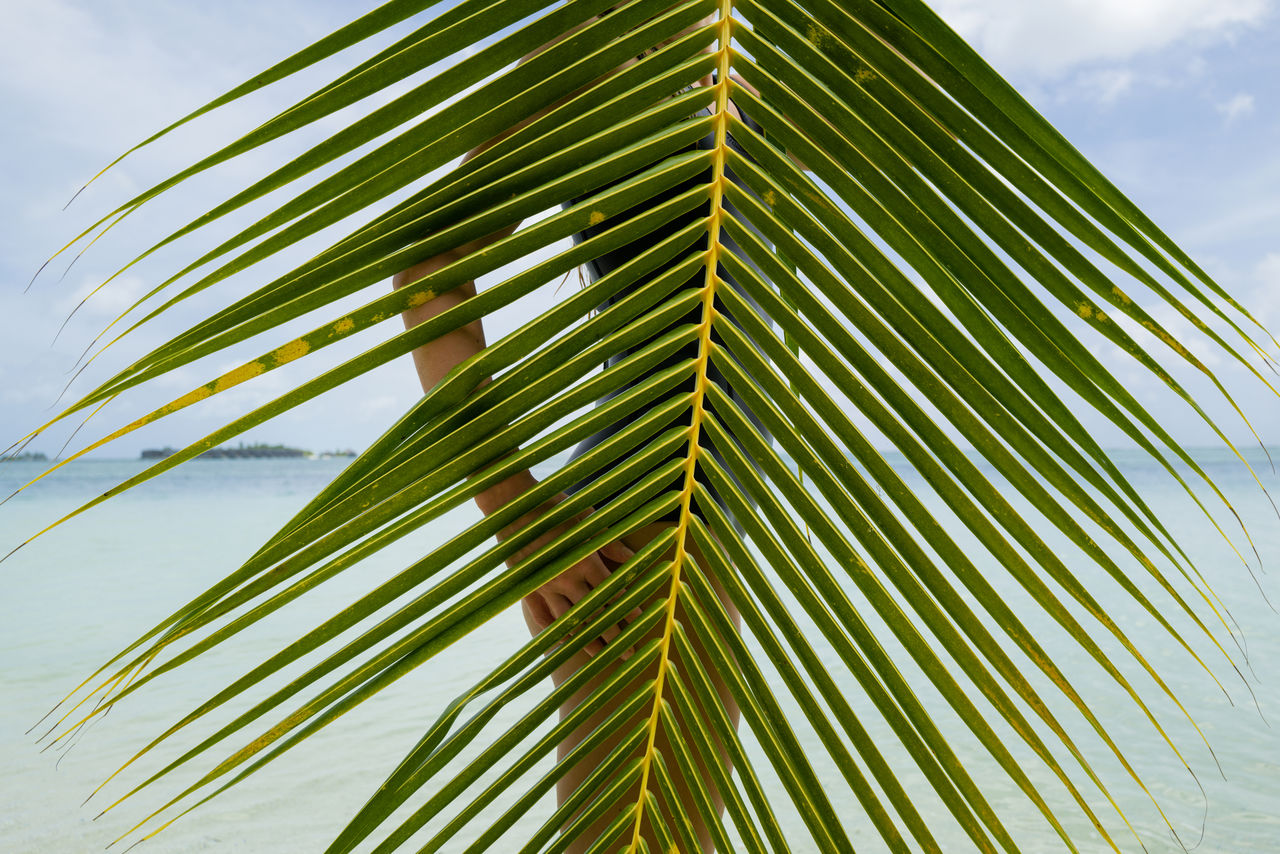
242 451
254 451
25 457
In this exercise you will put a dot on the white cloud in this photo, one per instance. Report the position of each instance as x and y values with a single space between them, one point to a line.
1264 302
1237 106
100 301
1106 85
106 78
1049 38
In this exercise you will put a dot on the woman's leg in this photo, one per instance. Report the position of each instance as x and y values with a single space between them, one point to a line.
574 776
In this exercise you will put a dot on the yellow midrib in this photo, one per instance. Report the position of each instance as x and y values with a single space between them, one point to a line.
695 426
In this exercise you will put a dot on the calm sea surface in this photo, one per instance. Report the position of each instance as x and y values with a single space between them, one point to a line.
83 592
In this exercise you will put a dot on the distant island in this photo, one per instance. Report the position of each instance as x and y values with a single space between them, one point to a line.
249 452
25 457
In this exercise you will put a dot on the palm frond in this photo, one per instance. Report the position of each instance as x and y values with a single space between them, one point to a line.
924 272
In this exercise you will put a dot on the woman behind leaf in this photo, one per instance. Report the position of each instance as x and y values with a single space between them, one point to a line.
544 606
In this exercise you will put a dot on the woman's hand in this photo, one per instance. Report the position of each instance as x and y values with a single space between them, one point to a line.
552 600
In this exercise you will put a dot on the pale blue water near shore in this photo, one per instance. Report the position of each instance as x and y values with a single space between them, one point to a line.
78 595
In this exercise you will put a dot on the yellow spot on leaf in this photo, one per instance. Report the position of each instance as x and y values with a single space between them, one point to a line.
241 374
1121 295
182 402
1167 339
1085 310
770 198
596 217
293 350
865 75
343 326
419 298
1176 346
269 736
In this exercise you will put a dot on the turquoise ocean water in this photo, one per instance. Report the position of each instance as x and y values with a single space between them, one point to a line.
76 596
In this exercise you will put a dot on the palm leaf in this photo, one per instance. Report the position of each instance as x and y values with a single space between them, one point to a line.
925 272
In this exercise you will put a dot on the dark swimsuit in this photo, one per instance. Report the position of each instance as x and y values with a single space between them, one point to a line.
612 260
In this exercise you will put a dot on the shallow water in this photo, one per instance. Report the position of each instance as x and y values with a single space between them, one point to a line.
86 590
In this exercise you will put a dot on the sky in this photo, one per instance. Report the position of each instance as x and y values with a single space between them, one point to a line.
1175 100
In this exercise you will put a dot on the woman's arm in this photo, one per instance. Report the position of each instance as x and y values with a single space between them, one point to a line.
436 358
441 355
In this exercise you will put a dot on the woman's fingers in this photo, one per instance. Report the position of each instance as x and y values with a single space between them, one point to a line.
536 612
571 585
555 598
610 633
635 613
617 551
557 603
596 573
